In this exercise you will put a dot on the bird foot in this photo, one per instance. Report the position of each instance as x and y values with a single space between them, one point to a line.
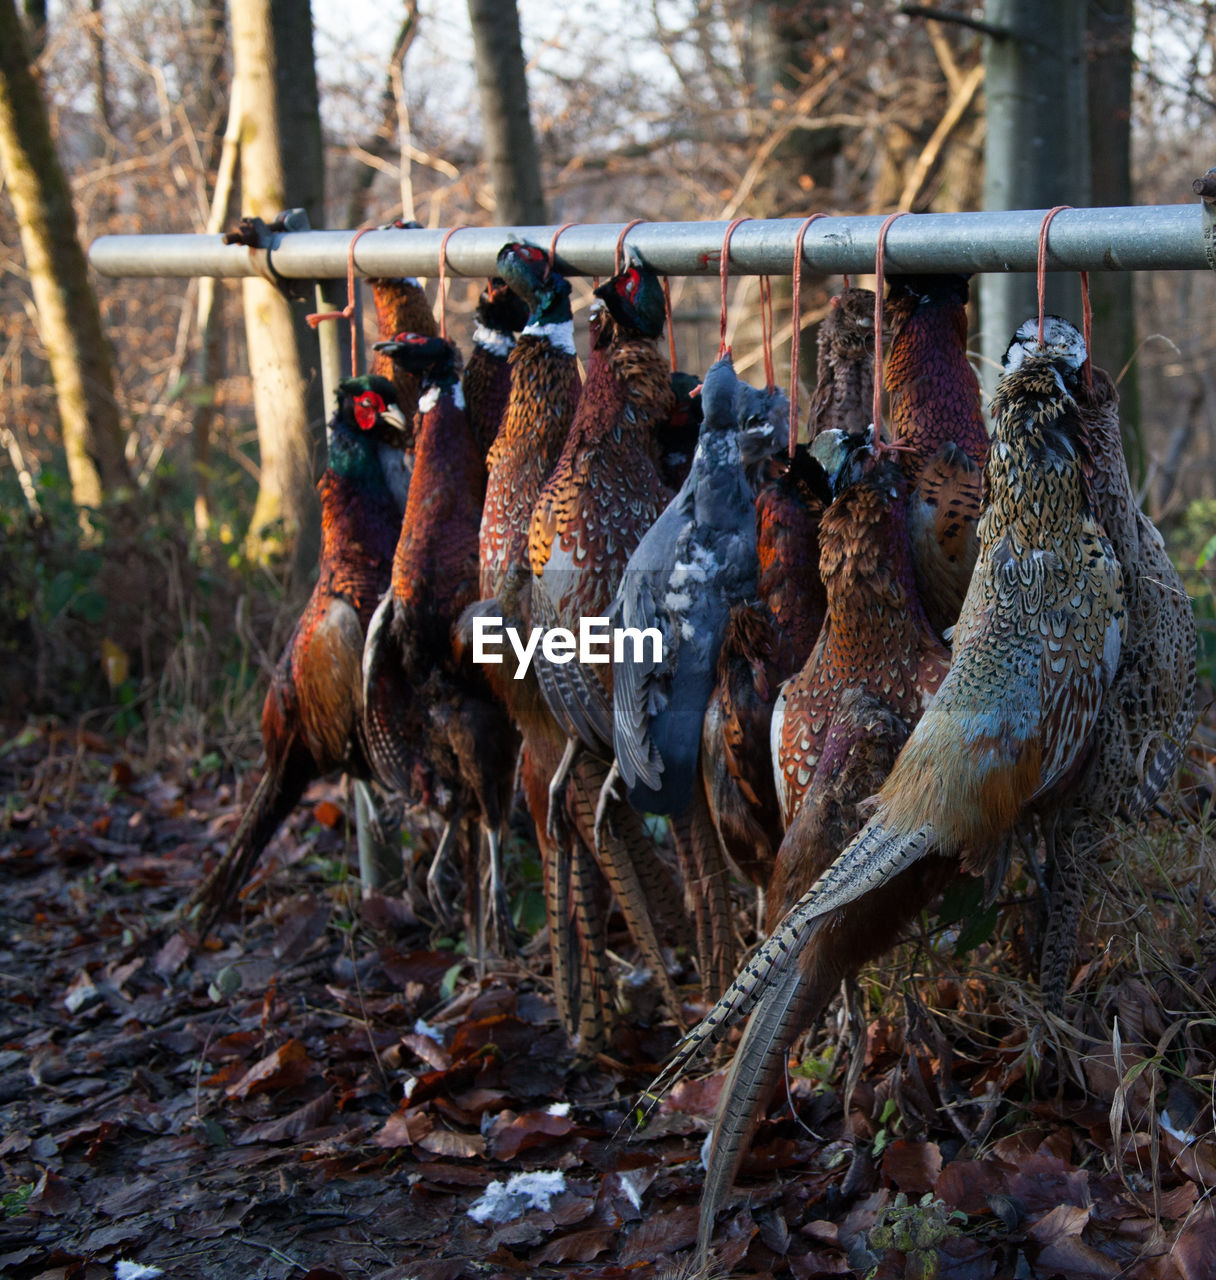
608 793
555 823
438 892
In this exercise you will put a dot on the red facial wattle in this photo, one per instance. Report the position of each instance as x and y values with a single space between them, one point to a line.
368 407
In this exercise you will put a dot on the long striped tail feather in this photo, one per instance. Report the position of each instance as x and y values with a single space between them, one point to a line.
874 857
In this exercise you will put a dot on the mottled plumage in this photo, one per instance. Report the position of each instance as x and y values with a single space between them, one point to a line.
311 716
844 390
936 415
875 635
1035 650
1149 713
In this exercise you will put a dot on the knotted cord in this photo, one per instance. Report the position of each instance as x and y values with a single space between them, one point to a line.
316 317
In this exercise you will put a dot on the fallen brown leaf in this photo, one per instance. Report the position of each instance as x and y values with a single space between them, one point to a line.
288 1065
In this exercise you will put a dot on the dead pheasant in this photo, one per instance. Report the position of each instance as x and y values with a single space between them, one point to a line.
937 418
311 716
434 731
603 494
1149 714
1035 650
501 314
766 642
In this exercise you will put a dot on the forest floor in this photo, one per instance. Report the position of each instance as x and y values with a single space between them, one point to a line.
323 1090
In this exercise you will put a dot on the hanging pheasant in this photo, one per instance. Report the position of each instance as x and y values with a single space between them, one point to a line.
434 731
501 314
311 716
937 418
1149 713
1035 650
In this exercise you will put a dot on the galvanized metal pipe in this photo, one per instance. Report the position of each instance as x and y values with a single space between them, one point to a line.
1146 238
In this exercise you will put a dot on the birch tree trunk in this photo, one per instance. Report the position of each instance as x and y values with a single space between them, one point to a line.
69 322
510 146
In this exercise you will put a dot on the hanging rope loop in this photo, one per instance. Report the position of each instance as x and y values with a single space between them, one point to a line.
879 283
618 259
348 311
766 330
443 269
671 333
1041 265
723 276
796 335
1087 326
556 237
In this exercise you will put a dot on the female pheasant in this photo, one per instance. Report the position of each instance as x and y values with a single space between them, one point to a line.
311 716
1035 650
1149 713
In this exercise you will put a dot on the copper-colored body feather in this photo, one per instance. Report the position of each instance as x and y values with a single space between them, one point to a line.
603 494
434 729
311 715
936 415
765 644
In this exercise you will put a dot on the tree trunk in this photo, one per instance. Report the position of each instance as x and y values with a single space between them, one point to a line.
69 322
510 147
285 514
219 154
1036 151
35 26
1110 29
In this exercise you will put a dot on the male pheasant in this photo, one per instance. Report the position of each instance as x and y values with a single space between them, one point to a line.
434 731
311 716
501 314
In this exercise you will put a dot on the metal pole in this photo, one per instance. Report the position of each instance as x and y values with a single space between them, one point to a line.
1146 238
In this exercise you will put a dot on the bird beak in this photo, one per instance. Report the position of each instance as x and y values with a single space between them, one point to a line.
395 417
387 347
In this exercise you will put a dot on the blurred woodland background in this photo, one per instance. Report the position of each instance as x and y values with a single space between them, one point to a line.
149 585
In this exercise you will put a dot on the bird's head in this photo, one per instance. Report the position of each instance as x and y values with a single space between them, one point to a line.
371 401
634 298
431 359
527 272
718 392
806 471
500 308
764 422
848 329
688 410
1063 344
845 456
